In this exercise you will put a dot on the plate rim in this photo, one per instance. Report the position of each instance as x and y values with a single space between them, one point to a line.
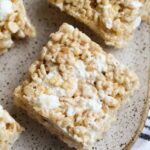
146 109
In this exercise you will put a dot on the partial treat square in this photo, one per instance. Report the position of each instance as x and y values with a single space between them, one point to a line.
114 20
75 88
14 23
10 130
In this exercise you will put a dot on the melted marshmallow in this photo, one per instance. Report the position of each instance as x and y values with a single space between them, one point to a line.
81 69
71 111
8 119
109 23
94 105
100 63
6 7
48 102
136 4
88 91
107 6
52 74
57 91
2 125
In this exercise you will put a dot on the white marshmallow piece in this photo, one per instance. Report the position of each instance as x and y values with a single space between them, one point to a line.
109 23
6 7
136 4
48 102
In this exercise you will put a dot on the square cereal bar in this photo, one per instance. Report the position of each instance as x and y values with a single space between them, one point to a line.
75 88
10 130
13 23
113 20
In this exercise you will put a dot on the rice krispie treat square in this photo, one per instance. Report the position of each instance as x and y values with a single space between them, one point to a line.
14 23
114 20
75 88
10 130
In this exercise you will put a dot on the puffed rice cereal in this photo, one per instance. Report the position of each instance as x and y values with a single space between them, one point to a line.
114 20
10 130
75 88
13 23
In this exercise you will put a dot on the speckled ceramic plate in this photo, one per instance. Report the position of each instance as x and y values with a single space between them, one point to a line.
15 63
